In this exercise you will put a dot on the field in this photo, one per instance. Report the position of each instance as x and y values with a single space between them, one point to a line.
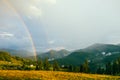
50 75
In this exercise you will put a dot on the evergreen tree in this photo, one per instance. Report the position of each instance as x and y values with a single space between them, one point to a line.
86 67
37 66
70 68
114 67
76 69
81 68
100 70
46 64
108 68
40 65
118 65
55 66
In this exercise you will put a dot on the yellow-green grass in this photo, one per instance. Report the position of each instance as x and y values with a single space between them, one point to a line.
51 75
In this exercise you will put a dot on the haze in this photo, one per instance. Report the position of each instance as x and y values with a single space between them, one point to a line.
59 24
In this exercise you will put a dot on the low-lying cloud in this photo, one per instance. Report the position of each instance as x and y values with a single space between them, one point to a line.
6 35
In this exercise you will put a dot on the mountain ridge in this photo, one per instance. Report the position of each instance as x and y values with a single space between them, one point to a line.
97 55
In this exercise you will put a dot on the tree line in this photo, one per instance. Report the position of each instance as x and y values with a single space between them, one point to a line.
45 65
111 68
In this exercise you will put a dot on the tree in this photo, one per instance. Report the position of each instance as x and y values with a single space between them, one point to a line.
70 68
76 69
119 65
37 67
116 67
81 68
55 66
108 68
86 67
100 70
40 65
46 64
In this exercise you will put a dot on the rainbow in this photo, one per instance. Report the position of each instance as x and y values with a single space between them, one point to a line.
25 27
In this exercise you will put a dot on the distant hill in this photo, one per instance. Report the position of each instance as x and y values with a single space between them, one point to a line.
20 53
101 48
97 55
52 54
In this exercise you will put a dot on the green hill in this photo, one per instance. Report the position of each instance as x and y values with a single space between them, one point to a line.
5 56
97 55
11 62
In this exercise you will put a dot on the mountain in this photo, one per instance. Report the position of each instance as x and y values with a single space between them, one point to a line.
97 55
20 53
52 54
101 48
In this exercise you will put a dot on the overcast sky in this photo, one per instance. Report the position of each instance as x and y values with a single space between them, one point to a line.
59 24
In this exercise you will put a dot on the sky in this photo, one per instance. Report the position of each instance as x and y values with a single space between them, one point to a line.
58 24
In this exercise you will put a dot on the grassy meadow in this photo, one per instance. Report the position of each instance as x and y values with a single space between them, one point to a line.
51 75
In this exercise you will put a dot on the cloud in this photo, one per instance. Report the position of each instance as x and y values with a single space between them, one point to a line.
6 35
51 42
114 39
44 1
35 11
56 48
31 8
51 1
28 8
32 11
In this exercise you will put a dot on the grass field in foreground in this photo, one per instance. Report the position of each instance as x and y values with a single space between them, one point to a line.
51 75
